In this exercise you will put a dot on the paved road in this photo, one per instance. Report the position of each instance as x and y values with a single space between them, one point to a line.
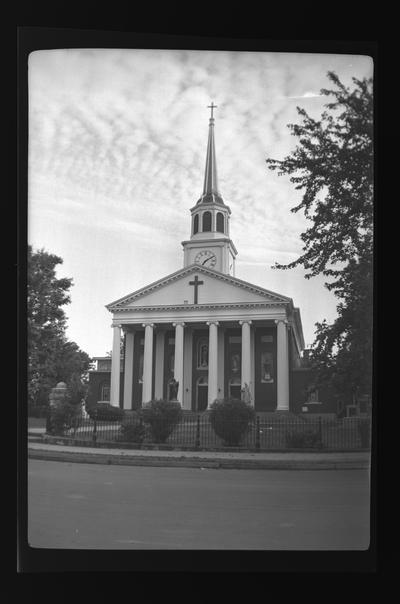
120 507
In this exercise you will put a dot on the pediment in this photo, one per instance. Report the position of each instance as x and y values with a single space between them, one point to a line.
214 288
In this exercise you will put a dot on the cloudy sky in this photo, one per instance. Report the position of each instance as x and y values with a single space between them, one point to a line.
117 145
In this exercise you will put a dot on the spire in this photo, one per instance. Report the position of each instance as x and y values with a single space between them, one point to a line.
210 189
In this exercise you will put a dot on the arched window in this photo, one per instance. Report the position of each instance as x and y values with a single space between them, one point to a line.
207 221
196 224
220 222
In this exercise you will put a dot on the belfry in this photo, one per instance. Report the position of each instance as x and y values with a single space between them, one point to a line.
215 334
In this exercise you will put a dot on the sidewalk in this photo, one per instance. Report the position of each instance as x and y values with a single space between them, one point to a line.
263 460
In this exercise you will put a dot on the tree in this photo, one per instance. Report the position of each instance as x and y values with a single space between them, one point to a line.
333 166
51 357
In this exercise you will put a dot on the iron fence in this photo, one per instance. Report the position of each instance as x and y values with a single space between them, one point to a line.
196 431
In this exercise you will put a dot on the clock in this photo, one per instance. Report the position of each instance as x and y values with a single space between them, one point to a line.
206 258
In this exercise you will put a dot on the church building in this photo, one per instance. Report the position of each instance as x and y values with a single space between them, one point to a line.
215 334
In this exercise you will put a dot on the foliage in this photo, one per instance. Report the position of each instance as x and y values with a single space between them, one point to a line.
230 418
333 166
132 429
105 412
77 389
162 416
72 363
51 358
62 418
303 440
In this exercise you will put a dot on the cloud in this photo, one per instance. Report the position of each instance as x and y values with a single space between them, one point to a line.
117 145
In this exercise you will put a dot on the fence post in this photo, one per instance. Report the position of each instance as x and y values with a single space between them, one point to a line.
95 426
257 432
198 432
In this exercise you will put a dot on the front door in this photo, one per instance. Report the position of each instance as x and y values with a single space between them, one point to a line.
202 394
200 370
265 370
233 362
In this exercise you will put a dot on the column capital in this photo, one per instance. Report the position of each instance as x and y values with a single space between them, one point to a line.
285 321
179 323
212 323
116 325
147 324
245 321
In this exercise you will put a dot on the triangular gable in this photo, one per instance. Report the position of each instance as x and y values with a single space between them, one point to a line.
216 288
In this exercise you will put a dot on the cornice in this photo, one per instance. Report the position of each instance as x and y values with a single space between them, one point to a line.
194 307
190 269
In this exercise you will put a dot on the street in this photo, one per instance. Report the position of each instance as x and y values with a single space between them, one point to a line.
90 506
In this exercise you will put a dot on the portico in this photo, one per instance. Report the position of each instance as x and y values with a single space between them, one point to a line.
210 359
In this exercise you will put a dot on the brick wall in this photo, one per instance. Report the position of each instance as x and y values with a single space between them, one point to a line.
96 380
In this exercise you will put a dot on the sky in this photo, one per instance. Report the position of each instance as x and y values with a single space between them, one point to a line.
117 148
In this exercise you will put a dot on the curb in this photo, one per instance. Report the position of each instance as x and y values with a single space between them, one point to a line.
73 442
194 462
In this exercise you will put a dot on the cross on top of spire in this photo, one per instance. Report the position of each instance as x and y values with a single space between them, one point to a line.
212 107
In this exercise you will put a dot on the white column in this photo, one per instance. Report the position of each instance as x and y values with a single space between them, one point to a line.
128 370
187 369
147 362
283 366
246 354
115 365
221 363
159 369
178 358
212 362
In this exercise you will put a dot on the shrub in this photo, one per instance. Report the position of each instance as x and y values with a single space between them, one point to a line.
132 430
161 416
62 417
303 440
105 412
230 418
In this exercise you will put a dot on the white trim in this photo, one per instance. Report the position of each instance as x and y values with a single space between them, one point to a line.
192 307
199 269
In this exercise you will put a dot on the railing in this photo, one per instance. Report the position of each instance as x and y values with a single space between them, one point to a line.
196 431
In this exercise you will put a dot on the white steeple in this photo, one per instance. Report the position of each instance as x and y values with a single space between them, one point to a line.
209 242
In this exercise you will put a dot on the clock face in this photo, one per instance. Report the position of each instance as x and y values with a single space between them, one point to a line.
206 258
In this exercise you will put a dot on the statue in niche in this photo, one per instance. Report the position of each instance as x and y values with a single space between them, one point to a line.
203 356
266 367
246 394
235 363
173 386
